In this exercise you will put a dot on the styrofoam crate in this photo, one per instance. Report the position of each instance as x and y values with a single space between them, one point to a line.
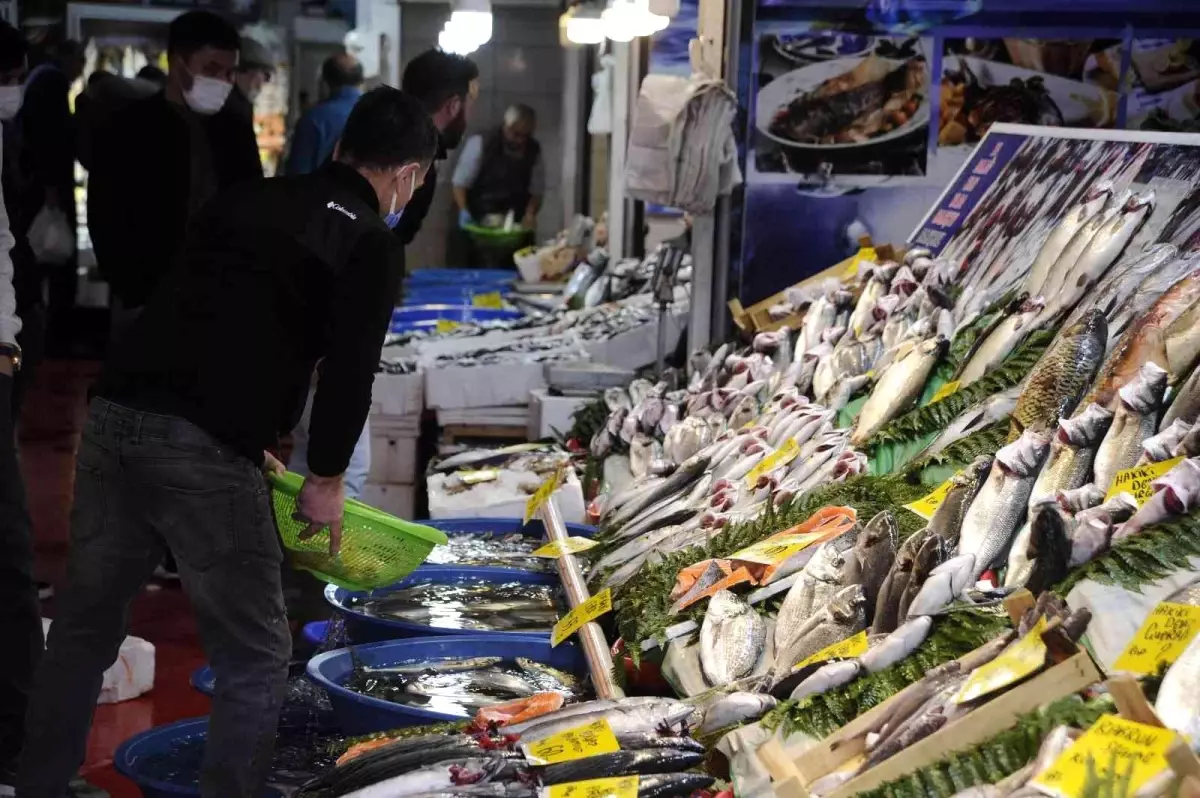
398 394
393 457
549 413
398 500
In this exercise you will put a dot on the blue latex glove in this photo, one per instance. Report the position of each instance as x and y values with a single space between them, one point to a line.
464 218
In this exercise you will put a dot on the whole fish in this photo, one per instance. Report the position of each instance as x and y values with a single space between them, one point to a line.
1103 251
645 761
1177 493
432 779
629 715
1185 404
828 677
976 417
1075 217
1117 297
685 475
945 584
818 318
734 710
864 309
1060 271
1152 287
1061 376
1182 337
1000 339
875 551
947 520
998 510
898 645
1049 549
887 607
1178 702
1162 446
1136 420
933 552
732 638
844 616
898 388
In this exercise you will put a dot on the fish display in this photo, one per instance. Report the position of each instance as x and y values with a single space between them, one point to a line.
478 606
491 550
1135 420
1178 704
1061 376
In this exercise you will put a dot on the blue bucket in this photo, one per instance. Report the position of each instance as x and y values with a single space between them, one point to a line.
363 628
499 527
130 758
361 714
417 317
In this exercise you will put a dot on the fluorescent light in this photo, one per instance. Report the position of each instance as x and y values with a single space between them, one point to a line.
625 20
583 26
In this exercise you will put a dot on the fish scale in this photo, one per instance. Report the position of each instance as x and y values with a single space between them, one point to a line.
1060 377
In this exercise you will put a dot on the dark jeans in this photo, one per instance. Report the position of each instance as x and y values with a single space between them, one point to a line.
20 619
144 482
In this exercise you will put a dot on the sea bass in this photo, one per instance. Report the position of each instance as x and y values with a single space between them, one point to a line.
1060 377
1183 343
1089 205
732 638
1136 420
995 344
1000 507
898 388
1058 273
975 418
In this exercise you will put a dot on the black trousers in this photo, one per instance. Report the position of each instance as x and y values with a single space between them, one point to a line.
20 619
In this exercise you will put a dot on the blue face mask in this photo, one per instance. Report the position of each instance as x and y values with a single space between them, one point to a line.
393 216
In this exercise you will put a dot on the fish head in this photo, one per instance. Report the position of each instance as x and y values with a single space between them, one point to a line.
1142 203
1098 194
975 474
1144 393
1086 429
724 605
881 528
847 604
1023 457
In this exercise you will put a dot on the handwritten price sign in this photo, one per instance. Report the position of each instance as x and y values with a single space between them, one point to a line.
1137 480
1164 635
1113 748
590 739
589 610
616 787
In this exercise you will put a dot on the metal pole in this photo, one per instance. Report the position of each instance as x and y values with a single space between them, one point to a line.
591 636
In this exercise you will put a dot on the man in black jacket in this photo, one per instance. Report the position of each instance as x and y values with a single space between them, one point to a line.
277 276
160 159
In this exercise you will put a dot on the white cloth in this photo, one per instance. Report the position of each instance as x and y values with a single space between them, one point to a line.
682 152
10 325
600 119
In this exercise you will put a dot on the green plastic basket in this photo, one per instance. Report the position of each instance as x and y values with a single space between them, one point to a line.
377 549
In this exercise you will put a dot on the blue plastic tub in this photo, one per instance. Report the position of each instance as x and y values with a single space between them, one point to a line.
455 275
316 632
360 714
130 758
204 680
500 527
363 628
417 317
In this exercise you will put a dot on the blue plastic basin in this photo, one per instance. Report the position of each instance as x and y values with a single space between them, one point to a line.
475 276
315 632
499 527
363 628
361 714
129 758
416 317
204 680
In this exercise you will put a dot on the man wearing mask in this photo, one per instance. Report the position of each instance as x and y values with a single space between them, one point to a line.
19 616
158 160
501 172
255 70
447 86
317 131
277 277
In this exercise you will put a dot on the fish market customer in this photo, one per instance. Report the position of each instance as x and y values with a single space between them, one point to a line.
276 277
317 131
19 616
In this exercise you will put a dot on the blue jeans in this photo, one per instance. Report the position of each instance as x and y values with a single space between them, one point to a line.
144 482
355 479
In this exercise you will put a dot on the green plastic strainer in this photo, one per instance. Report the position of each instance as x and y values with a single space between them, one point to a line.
377 549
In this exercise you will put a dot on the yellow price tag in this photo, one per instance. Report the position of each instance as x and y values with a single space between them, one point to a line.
927 505
1016 662
854 646
446 325
544 492
864 255
572 545
777 549
580 742
1132 752
1136 480
1164 635
780 457
946 390
613 787
589 610
489 300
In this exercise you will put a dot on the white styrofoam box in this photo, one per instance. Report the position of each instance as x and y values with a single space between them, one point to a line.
398 394
393 456
638 347
397 500
548 413
130 676
516 416
482 386
502 498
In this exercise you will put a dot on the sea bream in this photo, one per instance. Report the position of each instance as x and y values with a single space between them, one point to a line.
998 510
842 617
1136 419
1061 376
898 388
732 639
1075 217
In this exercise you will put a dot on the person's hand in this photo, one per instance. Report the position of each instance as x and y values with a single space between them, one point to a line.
464 218
271 465
321 504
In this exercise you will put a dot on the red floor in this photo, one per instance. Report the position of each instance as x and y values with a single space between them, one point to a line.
50 429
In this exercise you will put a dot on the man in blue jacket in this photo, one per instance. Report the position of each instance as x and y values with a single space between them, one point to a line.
318 130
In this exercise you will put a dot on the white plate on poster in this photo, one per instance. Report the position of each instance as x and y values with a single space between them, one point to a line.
1081 103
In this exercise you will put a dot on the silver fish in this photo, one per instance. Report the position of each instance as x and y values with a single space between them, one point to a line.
1162 446
947 520
1185 404
1136 420
844 616
734 710
818 581
828 677
974 418
997 512
898 645
864 309
1182 337
1178 702
1089 205
818 318
1119 286
438 666
1000 340
1057 277
1148 291
732 638
898 388
944 584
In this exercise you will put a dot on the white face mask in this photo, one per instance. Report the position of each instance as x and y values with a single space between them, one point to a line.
10 101
207 95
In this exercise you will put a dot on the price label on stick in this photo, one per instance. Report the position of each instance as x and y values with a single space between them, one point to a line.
613 787
1015 663
446 325
927 505
850 647
1164 635
1137 481
1112 750
572 545
544 492
780 457
946 390
589 610
579 742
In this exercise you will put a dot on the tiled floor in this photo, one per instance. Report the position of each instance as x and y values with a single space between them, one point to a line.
49 432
